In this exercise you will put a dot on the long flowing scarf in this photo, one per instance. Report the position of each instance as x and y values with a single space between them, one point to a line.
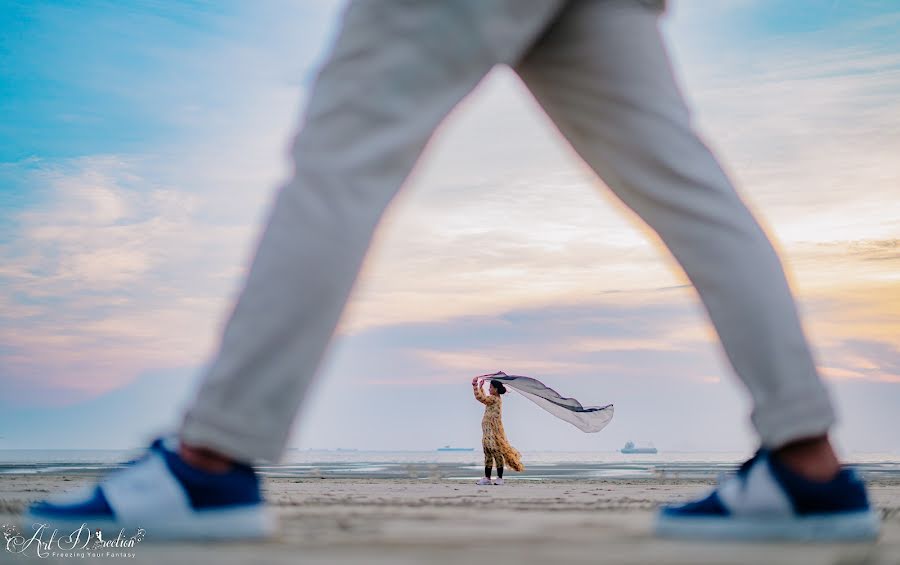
586 418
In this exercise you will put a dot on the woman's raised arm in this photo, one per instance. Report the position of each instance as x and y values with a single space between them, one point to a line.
480 396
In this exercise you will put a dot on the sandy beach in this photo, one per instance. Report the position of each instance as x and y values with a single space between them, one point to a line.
427 520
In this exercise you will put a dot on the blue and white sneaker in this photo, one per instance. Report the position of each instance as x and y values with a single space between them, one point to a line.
167 498
767 501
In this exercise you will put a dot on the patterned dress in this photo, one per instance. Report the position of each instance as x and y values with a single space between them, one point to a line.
493 440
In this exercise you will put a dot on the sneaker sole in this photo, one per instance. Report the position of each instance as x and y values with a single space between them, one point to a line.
855 526
253 523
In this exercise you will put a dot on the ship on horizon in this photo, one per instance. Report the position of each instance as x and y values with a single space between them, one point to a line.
630 447
448 448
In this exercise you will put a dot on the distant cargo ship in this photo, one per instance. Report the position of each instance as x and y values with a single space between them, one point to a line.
631 448
448 448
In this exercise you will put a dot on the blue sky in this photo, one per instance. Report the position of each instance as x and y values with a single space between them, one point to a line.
140 143
95 77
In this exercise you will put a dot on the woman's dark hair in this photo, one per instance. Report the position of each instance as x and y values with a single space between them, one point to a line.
499 386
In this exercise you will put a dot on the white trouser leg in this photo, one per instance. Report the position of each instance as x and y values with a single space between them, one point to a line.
603 75
396 70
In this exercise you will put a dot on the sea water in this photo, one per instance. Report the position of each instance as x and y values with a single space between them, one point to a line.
447 465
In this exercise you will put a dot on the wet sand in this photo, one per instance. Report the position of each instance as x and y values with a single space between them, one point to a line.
429 520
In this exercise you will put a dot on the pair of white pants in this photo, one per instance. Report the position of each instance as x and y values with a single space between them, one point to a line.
601 72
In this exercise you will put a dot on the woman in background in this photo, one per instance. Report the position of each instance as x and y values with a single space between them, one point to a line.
497 449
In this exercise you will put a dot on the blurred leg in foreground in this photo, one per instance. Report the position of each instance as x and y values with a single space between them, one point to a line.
602 73
396 70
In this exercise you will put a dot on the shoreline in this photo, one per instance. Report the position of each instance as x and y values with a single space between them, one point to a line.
424 465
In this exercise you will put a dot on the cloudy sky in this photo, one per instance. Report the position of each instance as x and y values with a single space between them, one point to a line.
140 144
